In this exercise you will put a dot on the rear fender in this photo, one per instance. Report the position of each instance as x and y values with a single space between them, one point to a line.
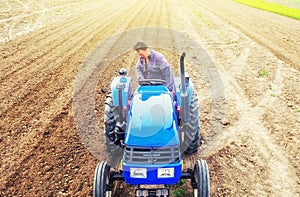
126 92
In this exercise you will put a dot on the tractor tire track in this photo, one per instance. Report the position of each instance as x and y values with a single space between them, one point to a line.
252 111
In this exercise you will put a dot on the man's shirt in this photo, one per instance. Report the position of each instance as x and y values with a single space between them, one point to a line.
157 68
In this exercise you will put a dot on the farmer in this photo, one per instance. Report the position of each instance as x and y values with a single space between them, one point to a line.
153 65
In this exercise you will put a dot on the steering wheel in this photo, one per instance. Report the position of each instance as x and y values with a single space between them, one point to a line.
152 82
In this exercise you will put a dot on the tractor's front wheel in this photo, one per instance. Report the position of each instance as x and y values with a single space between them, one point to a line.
201 179
101 180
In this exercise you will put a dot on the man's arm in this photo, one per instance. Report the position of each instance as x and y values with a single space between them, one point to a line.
139 69
167 73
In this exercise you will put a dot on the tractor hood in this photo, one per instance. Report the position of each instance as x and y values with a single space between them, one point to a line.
152 121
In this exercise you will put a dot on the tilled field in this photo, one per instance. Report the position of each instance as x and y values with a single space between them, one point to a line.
252 147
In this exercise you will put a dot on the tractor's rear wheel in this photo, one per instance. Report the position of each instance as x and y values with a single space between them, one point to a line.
101 180
201 178
110 121
191 129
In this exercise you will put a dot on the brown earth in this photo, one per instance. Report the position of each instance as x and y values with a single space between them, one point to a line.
256 54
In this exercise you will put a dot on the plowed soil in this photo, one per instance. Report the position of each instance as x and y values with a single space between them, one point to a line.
256 53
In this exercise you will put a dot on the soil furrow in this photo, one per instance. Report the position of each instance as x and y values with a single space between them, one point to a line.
51 66
284 42
30 56
38 94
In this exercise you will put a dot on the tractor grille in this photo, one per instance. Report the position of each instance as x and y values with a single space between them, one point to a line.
151 155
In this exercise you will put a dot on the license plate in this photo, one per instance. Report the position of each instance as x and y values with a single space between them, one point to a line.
144 192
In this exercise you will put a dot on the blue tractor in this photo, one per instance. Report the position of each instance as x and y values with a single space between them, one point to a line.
150 130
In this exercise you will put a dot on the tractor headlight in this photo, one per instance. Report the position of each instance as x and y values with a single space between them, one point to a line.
165 172
138 172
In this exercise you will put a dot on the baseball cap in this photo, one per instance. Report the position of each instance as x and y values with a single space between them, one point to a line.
140 45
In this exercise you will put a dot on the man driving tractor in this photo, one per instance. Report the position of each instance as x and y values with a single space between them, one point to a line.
153 65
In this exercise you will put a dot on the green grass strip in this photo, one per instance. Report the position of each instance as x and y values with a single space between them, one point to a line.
272 7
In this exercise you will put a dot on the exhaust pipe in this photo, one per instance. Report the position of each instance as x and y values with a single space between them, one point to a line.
183 96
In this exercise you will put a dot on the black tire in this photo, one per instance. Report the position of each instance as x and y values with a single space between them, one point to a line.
101 180
110 121
191 130
201 176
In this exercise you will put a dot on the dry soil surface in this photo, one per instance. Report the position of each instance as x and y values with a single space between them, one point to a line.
252 147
